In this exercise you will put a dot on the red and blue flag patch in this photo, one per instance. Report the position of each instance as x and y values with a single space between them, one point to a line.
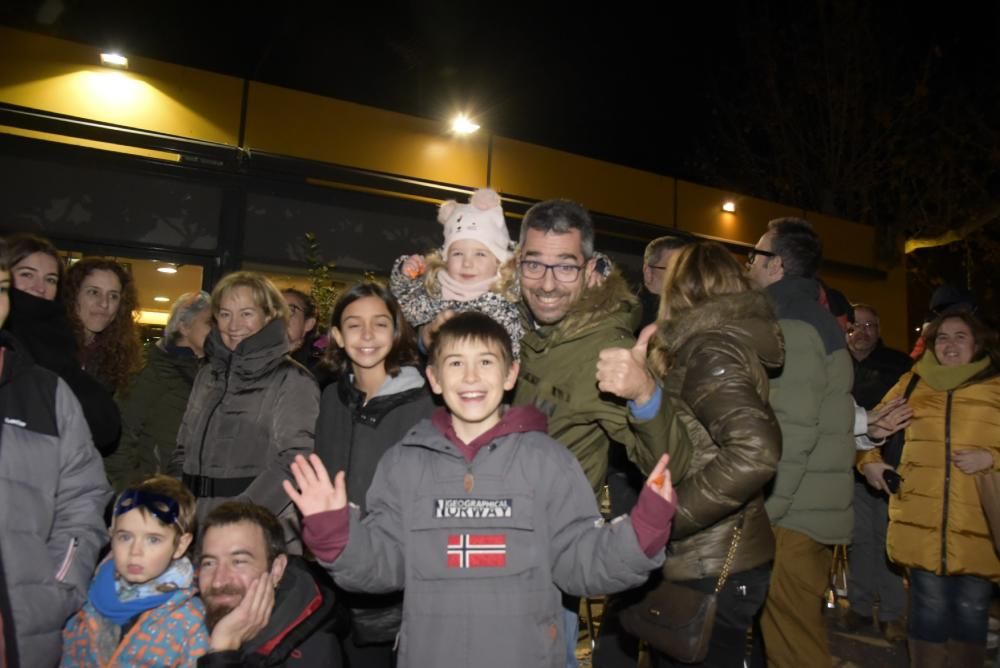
477 550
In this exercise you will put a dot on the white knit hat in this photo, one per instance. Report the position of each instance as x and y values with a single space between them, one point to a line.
481 220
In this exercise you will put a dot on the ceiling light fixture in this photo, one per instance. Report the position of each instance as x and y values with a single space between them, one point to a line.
168 269
161 299
463 125
729 206
110 59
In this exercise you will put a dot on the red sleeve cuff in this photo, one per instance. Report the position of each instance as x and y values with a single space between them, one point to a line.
326 533
652 518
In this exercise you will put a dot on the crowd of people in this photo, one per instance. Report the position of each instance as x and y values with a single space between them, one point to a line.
424 491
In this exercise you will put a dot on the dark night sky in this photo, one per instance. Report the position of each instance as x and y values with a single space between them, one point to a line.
620 82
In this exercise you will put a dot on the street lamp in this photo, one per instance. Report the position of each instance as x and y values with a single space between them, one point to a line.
463 125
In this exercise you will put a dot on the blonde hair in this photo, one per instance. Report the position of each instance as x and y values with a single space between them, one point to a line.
266 296
701 271
506 286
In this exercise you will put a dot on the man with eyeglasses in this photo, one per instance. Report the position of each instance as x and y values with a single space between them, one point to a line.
580 363
654 269
809 502
876 369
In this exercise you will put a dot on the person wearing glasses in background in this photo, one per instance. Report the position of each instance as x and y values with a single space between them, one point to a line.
654 268
876 369
809 502
577 329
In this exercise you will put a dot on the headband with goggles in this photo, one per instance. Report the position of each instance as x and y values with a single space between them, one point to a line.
164 508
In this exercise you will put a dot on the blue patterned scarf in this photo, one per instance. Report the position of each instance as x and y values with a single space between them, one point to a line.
118 601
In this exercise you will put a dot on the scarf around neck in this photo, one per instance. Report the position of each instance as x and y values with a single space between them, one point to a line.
455 290
946 378
118 601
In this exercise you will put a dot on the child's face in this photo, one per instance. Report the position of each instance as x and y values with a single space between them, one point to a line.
143 547
365 332
471 377
470 261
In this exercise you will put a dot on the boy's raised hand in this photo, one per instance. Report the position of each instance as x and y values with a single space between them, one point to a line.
659 480
317 494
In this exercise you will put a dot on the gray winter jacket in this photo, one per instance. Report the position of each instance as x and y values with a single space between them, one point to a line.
52 497
483 549
250 412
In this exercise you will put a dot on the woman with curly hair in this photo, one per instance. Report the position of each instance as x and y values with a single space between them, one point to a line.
39 321
100 299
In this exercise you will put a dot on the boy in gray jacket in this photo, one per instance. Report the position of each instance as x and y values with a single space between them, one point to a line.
481 517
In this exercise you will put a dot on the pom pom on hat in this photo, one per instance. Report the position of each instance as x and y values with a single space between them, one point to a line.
480 220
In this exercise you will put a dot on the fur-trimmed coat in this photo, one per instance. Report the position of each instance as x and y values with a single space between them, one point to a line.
420 307
558 376
719 354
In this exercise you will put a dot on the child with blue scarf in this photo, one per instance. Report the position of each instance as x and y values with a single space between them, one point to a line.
141 609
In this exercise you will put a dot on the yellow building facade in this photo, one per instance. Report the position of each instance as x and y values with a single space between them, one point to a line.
163 163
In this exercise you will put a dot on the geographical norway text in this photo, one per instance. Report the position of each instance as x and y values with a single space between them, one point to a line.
473 508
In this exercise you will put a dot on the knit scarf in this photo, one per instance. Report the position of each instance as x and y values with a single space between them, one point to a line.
946 378
455 290
119 601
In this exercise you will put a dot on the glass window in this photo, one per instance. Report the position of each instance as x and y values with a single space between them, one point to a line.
357 232
73 201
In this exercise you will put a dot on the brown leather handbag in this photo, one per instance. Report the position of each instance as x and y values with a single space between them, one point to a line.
678 620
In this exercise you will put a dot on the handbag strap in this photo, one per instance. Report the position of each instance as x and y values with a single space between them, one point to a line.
731 555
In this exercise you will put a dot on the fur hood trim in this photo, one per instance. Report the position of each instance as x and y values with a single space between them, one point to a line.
746 315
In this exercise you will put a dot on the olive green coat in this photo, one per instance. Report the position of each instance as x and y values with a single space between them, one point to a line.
152 407
559 377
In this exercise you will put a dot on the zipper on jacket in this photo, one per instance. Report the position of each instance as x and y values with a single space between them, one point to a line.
947 484
67 561
211 414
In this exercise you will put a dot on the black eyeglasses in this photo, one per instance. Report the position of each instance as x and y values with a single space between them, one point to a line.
564 273
754 252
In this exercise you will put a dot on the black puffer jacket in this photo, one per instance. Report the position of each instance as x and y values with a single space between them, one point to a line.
250 412
719 387
352 436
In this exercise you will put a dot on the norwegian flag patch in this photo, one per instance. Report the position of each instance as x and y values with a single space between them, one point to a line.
477 550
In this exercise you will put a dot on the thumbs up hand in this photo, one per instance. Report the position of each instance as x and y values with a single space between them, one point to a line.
622 371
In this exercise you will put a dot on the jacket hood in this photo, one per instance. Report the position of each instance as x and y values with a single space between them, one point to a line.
611 299
746 315
433 432
301 607
408 378
254 356
407 384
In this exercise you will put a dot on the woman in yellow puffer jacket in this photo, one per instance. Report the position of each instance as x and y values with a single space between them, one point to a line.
937 528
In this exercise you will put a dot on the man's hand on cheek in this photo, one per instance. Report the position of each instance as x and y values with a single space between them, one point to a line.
248 618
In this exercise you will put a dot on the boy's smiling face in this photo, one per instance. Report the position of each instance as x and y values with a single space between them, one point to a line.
472 377
143 547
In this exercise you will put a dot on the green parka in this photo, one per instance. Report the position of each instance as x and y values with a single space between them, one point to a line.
152 407
559 377
719 354
813 491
